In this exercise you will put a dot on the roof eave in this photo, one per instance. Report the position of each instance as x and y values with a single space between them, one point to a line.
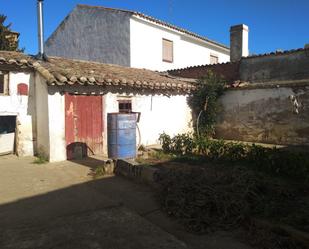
193 36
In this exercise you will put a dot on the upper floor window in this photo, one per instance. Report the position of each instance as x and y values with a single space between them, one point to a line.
4 83
214 59
167 50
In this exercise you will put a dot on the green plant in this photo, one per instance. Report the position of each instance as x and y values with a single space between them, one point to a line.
205 99
165 141
270 160
99 172
40 160
159 155
182 144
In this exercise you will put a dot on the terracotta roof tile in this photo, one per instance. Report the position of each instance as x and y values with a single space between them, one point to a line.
61 71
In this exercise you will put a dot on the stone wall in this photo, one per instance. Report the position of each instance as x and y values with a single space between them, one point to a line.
279 66
273 115
89 34
290 65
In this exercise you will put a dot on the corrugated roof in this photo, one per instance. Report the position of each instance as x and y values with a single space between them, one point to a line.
61 71
160 22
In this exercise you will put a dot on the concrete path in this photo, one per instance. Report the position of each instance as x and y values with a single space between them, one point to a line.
59 206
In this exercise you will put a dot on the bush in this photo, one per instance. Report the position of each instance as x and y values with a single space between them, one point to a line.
181 144
211 87
270 160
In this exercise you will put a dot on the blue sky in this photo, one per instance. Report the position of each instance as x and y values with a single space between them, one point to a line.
273 24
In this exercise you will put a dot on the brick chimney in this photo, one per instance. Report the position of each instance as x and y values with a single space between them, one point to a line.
239 42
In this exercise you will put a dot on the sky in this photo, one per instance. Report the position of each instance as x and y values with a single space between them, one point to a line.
273 24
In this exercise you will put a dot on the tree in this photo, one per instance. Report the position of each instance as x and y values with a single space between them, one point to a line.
204 103
8 38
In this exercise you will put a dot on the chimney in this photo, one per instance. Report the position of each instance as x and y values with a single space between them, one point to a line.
41 53
239 42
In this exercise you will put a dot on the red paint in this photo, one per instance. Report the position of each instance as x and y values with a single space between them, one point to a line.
22 89
84 123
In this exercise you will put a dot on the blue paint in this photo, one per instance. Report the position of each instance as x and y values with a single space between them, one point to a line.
121 135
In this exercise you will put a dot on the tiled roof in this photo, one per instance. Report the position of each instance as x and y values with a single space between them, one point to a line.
160 22
200 66
60 71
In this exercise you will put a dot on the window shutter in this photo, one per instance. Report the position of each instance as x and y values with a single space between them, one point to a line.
4 81
214 59
1 83
167 50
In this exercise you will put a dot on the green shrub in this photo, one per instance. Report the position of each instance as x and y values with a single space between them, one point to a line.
166 142
40 160
270 160
211 87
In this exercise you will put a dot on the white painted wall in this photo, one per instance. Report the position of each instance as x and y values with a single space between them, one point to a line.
56 122
42 117
146 47
50 122
159 114
23 108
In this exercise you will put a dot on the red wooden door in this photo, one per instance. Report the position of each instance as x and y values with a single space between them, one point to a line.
83 124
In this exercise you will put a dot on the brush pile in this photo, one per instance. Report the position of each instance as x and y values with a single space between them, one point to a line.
225 197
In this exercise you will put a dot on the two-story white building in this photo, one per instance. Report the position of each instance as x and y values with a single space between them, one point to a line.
131 39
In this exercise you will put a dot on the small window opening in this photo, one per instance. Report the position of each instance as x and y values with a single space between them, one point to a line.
214 59
125 106
3 83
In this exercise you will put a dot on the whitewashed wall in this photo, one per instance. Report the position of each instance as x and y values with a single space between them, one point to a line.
146 47
23 108
56 122
159 114
50 123
42 117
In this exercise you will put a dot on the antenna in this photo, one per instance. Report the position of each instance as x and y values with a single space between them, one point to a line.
170 8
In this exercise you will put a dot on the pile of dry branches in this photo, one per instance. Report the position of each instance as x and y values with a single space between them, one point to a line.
207 199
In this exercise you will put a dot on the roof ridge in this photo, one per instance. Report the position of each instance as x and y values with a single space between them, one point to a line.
158 21
105 8
203 65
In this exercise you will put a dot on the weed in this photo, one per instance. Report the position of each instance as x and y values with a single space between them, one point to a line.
100 171
40 160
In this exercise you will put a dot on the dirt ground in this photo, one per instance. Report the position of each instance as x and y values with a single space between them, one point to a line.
59 205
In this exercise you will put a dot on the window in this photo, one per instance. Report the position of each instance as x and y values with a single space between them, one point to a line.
167 50
214 59
3 83
125 106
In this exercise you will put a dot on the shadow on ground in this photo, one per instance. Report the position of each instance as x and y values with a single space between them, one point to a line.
110 212
78 216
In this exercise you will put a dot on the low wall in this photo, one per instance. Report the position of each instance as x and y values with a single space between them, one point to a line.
290 65
271 115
